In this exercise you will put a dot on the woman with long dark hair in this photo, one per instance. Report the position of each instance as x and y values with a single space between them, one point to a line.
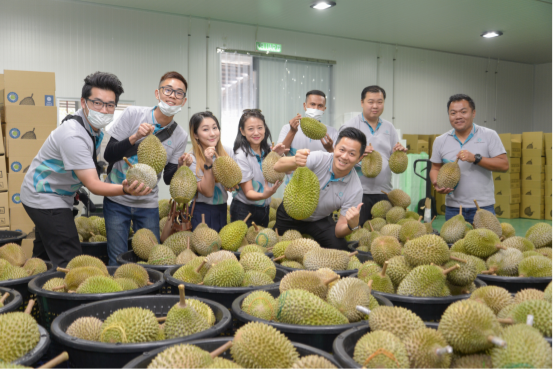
251 147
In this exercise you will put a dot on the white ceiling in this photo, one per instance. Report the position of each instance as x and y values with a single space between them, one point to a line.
445 25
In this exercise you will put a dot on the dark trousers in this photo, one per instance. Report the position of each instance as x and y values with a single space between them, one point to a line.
56 237
239 211
322 230
215 215
368 202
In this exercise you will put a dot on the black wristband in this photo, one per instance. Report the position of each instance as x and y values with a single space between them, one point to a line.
125 192
208 168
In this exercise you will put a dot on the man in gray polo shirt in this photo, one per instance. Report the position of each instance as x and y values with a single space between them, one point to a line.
383 137
339 185
480 152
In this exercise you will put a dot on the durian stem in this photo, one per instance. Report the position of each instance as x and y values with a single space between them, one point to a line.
383 272
329 281
30 272
200 266
58 288
279 258
420 218
501 247
497 341
201 284
62 270
272 145
255 227
92 233
63 357
370 285
149 283
458 259
182 302
492 270
371 225
506 320
248 217
432 220
353 253
444 350
161 319
220 350
461 209
384 192
128 162
30 306
203 218
456 266
502 238
4 297
476 203
456 160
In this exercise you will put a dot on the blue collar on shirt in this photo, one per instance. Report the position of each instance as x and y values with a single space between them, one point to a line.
259 158
157 126
370 127
334 179
452 133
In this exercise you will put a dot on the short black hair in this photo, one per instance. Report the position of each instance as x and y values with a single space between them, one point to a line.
354 134
104 81
459 97
315 92
374 89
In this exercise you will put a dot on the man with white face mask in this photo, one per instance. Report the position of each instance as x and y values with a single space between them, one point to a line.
131 128
66 162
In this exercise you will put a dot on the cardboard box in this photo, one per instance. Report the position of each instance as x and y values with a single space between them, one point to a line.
440 203
512 193
17 164
548 173
512 145
4 228
504 209
4 209
514 165
534 141
27 245
3 175
548 212
29 88
530 173
548 148
532 207
41 115
20 221
506 180
15 180
532 157
26 138
416 145
431 140
532 192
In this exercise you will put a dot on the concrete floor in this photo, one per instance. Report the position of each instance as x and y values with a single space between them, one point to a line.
521 224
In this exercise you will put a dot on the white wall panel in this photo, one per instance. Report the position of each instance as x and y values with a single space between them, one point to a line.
542 98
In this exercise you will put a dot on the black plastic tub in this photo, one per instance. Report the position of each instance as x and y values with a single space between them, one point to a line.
100 249
11 237
210 345
320 337
36 353
342 273
12 302
89 354
352 246
52 304
515 284
20 285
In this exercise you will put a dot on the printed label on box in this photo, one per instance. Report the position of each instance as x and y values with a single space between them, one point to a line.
12 97
16 166
48 100
16 198
14 133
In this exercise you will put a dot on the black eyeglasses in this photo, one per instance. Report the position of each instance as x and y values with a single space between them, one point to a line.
251 111
99 104
168 91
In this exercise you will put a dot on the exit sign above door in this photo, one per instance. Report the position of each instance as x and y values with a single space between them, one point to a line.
266 46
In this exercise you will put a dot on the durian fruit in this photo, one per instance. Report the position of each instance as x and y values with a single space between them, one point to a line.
380 209
183 320
87 260
258 345
8 271
232 234
19 332
86 328
540 235
496 298
545 251
397 270
327 258
358 234
465 274
135 272
185 256
292 264
380 349
83 227
505 262
141 173
54 282
260 304
525 348
275 202
304 308
252 248
271 224
164 206
395 214
472 361
182 356
539 309
368 268
454 229
375 224
398 198
301 195
460 290
477 262
449 175
35 266
384 248
269 173
427 348
428 226
227 273
266 238
205 240
459 247
425 250
307 280
162 223
143 242
126 284
252 233
380 281
272 217
222 363
394 319
97 238
470 327
312 128
411 230
151 152
297 249
161 255
391 230
485 219
280 248
74 277
258 262
547 293
290 235
13 253
398 161
130 325
217 257
535 266
226 171
411 215
425 281
347 294
371 165
313 361
507 230
527 254
255 278
183 186
178 242
203 309
190 273
482 243
353 263
99 284
520 243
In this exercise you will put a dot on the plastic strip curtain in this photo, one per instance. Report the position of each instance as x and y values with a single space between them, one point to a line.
413 185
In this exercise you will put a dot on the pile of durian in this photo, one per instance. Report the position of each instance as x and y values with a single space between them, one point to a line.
14 264
255 345
19 334
139 325
87 274
312 298
93 229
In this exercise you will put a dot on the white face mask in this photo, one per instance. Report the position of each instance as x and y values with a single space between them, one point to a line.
167 109
97 119
314 113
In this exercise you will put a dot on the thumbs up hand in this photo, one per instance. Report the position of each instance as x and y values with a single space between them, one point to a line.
352 216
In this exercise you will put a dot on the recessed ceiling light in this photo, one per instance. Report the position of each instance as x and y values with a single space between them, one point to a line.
322 5
491 34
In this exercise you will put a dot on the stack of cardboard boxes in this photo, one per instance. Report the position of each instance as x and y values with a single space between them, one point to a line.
507 186
548 182
28 116
533 175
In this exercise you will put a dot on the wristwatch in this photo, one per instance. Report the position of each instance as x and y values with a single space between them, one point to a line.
477 158
354 228
125 192
208 168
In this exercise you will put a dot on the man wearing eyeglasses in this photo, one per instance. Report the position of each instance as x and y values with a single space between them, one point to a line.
131 128
67 161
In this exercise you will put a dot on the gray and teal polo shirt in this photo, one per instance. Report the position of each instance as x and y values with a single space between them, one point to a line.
220 194
251 168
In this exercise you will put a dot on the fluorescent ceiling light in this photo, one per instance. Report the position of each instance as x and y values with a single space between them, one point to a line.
491 34
322 5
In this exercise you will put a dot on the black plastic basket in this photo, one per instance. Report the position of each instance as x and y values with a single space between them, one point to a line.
11 237
52 303
36 353
352 246
515 284
100 249
89 354
320 337
12 302
20 285
342 273
212 344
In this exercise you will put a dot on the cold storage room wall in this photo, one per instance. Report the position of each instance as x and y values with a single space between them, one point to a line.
542 98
